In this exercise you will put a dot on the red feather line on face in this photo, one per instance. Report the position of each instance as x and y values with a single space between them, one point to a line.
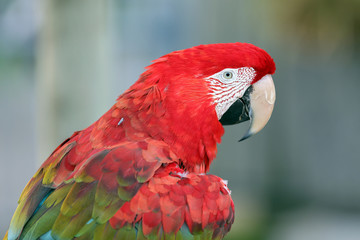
223 92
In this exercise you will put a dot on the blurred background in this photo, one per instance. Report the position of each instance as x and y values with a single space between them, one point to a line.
63 63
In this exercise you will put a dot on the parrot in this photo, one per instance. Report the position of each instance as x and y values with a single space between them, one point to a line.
140 170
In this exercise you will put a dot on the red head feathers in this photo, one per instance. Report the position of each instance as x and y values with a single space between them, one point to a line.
172 100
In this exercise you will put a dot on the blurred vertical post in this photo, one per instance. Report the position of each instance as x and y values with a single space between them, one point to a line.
72 69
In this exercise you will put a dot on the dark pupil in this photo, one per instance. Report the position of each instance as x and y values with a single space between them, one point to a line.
227 74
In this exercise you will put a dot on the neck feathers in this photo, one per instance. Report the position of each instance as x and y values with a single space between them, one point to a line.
179 114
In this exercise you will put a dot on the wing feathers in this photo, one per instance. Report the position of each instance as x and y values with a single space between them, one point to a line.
63 200
168 202
135 190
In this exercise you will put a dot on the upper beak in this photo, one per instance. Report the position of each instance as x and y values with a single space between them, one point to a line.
257 105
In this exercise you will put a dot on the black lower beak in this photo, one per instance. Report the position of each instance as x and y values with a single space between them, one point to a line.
255 105
238 111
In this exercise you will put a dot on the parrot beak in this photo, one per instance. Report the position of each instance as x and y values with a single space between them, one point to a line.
256 105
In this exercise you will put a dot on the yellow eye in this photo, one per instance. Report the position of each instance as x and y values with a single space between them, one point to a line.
227 75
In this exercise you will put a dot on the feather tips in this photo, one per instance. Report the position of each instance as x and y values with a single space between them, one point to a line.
168 202
123 177
96 190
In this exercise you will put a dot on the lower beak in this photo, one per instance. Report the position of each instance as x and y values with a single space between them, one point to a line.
256 105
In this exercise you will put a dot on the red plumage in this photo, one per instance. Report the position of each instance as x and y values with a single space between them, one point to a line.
140 163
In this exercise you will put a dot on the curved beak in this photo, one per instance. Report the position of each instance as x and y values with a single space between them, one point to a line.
257 105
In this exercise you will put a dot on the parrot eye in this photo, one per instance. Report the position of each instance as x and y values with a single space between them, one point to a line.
227 76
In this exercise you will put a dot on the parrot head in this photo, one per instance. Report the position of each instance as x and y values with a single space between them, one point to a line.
235 77
245 91
198 90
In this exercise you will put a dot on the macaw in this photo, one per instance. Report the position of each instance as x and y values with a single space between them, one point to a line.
139 172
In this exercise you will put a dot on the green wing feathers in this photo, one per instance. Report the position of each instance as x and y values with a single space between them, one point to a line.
134 190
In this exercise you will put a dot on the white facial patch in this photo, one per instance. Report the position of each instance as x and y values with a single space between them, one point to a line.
229 85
